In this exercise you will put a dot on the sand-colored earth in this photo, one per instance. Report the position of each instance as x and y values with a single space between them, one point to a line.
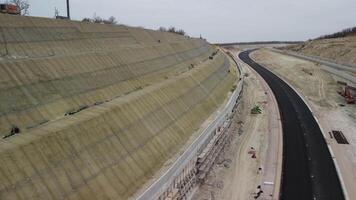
236 174
341 50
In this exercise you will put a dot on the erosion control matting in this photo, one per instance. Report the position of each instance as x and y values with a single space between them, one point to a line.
308 169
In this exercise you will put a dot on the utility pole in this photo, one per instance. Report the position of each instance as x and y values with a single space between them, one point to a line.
68 13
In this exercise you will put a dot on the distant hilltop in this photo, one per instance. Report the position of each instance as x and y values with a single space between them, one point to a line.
259 42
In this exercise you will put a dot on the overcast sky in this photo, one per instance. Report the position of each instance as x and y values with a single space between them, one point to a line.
219 20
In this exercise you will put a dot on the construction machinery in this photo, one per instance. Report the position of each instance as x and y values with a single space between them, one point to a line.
9 9
349 93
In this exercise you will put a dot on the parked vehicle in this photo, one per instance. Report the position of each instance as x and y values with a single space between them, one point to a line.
9 9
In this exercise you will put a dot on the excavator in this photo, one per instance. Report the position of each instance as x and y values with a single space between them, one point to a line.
9 9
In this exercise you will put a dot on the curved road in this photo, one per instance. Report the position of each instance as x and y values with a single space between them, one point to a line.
308 169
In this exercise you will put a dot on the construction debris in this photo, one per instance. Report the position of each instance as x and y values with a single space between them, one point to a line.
349 93
208 157
14 130
307 71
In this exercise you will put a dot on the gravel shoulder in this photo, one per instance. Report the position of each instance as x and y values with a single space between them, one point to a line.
237 175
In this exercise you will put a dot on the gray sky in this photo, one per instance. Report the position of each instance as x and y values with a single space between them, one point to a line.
219 20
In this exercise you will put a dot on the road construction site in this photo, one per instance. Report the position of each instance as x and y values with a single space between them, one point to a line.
91 111
328 107
308 168
95 111
252 160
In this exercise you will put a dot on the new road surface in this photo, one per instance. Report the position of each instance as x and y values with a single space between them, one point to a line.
308 168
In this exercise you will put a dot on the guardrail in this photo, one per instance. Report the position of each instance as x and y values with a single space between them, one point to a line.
163 183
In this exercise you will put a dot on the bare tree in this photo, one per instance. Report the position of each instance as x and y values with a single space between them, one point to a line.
87 19
22 5
162 29
180 32
99 20
172 29
111 20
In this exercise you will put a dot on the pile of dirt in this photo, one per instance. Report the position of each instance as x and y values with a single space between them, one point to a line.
341 50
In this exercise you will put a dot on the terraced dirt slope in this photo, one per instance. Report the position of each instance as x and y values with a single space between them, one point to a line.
99 108
341 50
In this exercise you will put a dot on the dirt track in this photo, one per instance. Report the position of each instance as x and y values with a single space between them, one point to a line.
237 175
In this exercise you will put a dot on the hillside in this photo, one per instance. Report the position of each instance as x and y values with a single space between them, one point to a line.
91 111
341 49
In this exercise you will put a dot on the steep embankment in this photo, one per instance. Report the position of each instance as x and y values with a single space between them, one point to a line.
99 108
341 50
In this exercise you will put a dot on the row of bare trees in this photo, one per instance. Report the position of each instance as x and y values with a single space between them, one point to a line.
100 20
172 30
23 6
343 33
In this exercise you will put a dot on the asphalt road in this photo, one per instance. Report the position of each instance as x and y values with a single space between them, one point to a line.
308 169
